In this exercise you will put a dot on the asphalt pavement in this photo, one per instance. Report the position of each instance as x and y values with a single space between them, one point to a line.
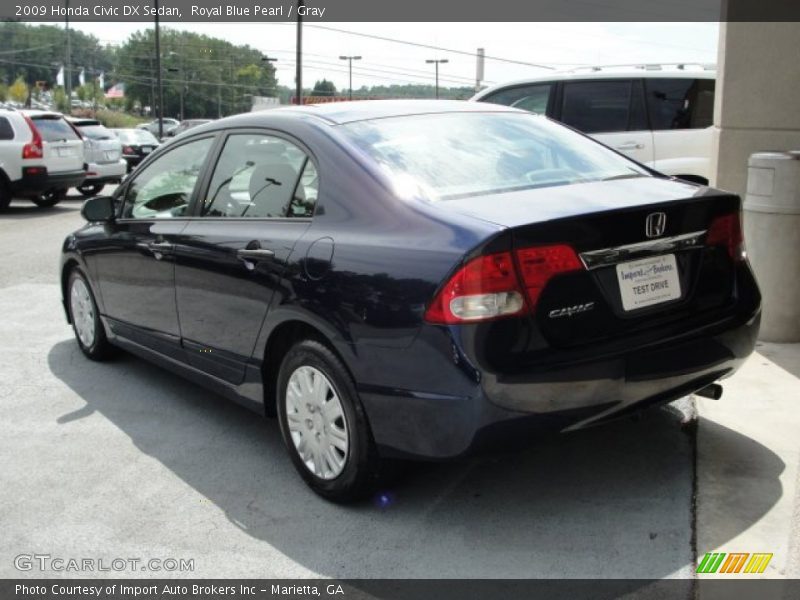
127 460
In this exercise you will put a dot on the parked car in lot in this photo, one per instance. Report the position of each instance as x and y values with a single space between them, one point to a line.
413 278
136 145
168 126
103 153
41 156
186 125
660 115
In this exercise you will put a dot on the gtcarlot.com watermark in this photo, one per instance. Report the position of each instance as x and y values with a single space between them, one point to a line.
60 564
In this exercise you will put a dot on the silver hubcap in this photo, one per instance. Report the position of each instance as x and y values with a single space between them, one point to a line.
316 422
80 304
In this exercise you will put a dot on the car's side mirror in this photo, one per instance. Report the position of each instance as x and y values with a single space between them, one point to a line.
99 208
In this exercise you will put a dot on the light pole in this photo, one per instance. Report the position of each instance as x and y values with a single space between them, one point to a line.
350 60
437 62
182 80
160 114
68 70
298 76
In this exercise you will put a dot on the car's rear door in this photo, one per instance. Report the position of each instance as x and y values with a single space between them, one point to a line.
135 264
255 205
612 111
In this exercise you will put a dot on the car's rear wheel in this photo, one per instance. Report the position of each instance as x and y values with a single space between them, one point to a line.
92 189
89 331
49 198
323 424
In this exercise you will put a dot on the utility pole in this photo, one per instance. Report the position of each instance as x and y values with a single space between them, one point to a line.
350 60
437 62
68 67
298 77
479 69
160 115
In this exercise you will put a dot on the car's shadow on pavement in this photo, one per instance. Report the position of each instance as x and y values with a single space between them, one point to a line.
612 501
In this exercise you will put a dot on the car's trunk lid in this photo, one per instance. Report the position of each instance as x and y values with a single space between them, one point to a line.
62 147
643 247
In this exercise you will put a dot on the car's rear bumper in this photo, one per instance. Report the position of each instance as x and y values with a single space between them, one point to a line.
487 410
39 179
106 172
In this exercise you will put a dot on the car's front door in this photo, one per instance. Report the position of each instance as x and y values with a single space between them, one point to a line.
233 254
136 268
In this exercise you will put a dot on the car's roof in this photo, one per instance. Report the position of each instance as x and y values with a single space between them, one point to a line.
41 113
362 110
613 72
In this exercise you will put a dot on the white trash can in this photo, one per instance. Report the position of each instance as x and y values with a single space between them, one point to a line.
772 235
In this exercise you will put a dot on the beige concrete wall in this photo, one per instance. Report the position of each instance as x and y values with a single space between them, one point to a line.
758 97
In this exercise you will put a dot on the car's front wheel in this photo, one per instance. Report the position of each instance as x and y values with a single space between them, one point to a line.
323 424
91 189
86 323
49 198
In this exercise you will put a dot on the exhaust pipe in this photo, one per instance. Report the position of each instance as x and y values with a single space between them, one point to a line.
713 391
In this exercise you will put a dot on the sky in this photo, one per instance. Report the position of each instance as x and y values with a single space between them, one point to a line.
559 45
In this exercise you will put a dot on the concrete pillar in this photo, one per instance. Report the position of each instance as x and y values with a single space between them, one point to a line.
757 105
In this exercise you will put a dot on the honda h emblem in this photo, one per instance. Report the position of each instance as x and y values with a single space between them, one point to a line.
655 224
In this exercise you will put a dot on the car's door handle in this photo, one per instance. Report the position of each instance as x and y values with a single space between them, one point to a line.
255 254
159 249
630 146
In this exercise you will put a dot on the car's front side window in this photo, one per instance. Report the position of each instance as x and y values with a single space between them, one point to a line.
533 98
163 189
261 176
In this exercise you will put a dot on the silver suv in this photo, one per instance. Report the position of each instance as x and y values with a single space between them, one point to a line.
41 156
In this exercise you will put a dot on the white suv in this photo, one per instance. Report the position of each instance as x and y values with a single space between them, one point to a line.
659 115
103 152
41 156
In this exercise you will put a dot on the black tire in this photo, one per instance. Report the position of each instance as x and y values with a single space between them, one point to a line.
362 464
98 348
49 198
5 195
91 189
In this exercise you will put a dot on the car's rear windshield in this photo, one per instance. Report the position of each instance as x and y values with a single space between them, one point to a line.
96 132
136 136
54 129
452 155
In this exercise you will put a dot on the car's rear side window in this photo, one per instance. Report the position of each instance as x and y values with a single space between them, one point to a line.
55 129
532 97
680 103
6 131
261 176
603 106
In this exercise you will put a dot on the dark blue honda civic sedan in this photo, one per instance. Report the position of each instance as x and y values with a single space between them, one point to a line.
413 279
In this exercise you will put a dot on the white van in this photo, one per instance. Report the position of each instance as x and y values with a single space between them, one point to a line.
659 115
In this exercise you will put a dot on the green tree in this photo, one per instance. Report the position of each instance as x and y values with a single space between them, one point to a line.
324 88
60 99
3 92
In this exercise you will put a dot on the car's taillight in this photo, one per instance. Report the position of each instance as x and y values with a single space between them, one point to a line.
726 230
485 288
33 149
128 150
540 264
495 285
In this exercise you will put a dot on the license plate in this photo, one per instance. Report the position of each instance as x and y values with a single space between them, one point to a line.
146 150
64 151
648 281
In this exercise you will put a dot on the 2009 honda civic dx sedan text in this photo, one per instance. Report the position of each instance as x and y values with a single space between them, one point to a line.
401 279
